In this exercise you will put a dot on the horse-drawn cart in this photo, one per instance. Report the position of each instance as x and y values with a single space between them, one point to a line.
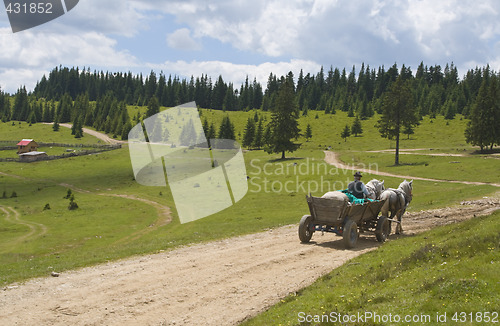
337 215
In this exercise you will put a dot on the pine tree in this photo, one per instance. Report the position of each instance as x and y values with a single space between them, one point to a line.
55 125
65 108
408 130
249 133
153 107
125 130
211 134
20 109
188 135
258 141
226 130
398 112
483 129
78 128
308 132
356 128
345 133
284 123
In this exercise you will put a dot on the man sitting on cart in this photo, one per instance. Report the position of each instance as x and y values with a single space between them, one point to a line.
357 188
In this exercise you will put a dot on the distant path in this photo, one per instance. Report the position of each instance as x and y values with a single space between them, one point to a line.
97 134
333 159
414 151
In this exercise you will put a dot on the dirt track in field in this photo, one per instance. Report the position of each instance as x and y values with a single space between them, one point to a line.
332 158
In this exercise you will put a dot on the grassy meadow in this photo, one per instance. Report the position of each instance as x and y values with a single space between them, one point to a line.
105 228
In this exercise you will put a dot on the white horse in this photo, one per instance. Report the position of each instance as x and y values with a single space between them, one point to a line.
375 188
396 201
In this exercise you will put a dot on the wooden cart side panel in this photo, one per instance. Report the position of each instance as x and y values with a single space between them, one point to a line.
327 211
366 211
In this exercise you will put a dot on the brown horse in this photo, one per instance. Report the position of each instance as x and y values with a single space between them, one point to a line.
396 201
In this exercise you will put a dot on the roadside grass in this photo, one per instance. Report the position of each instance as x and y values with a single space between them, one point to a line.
448 270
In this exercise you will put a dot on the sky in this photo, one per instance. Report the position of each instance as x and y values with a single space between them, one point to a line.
236 38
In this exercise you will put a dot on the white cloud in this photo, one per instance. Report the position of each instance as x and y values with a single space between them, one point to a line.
181 39
294 32
41 52
342 32
12 79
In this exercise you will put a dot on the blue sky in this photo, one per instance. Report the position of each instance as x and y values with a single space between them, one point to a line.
238 38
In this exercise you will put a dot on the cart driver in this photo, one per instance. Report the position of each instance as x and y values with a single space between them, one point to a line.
357 188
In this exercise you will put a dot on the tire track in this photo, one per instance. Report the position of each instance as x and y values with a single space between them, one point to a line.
164 217
164 212
35 229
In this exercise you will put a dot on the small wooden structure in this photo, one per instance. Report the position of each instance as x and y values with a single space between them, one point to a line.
32 156
26 146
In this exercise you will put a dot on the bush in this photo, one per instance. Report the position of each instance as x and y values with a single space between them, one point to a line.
46 207
14 195
72 205
68 194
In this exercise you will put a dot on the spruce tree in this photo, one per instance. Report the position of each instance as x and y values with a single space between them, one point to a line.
356 128
249 133
226 130
345 133
65 108
125 130
284 123
55 125
398 112
308 132
258 141
188 135
483 129
211 134
153 107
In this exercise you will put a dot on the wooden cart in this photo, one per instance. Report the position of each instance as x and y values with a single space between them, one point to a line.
344 219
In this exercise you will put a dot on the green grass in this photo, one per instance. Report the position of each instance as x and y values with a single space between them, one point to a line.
102 228
447 270
41 133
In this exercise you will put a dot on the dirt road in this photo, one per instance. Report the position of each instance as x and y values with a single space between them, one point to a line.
97 134
332 158
217 283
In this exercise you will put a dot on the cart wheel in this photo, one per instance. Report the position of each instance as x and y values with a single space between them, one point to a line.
383 229
306 228
350 234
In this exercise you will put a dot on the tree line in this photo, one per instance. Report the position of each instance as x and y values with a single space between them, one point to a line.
100 100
